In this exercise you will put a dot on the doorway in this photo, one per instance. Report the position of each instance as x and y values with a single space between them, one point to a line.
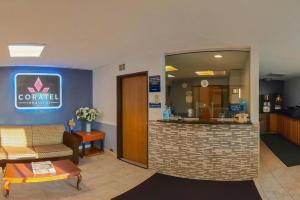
211 99
132 118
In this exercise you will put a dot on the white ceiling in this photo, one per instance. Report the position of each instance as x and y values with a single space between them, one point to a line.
92 33
188 63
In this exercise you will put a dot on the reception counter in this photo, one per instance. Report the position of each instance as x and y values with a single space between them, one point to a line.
209 151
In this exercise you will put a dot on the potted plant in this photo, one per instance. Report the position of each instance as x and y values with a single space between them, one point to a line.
87 116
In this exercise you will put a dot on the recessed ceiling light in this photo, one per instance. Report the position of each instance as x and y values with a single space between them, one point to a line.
170 68
211 73
25 50
218 56
171 76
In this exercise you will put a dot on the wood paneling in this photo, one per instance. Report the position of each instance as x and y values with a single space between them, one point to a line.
298 141
269 123
263 123
273 123
280 124
293 130
288 127
134 109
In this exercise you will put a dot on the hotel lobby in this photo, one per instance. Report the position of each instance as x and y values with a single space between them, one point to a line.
150 100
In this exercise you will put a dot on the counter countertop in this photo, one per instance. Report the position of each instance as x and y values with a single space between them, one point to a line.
204 121
294 114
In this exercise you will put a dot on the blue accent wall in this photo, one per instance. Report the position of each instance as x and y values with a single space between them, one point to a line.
77 91
271 87
291 89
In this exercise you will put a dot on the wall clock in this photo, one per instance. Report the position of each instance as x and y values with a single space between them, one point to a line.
204 83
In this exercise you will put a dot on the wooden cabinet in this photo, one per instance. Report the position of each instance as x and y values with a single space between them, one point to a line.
263 123
286 126
280 124
269 122
293 130
273 126
283 124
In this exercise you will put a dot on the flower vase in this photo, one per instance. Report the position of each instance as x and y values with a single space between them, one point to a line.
87 127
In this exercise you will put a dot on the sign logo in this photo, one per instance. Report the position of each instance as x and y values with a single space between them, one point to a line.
38 91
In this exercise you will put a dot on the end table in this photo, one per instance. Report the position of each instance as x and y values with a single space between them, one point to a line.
91 137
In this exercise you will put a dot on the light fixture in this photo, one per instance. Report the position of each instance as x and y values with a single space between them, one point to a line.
211 73
170 68
171 76
25 50
205 73
218 56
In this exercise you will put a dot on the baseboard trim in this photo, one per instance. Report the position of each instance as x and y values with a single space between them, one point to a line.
110 152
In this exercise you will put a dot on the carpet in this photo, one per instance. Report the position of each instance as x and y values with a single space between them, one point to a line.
163 187
286 151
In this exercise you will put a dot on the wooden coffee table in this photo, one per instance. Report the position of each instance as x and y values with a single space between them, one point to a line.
22 173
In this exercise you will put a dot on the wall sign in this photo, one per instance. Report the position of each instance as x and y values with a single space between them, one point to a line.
154 83
154 89
235 107
154 100
38 91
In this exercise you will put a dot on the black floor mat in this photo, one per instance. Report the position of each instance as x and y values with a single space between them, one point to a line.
163 187
285 150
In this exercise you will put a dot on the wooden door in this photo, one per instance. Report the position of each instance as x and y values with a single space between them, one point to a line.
134 118
204 99
211 100
216 100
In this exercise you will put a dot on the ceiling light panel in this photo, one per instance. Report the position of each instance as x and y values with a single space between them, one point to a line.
25 50
170 68
211 73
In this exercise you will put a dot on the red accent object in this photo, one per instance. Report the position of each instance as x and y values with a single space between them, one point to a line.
45 90
30 89
38 84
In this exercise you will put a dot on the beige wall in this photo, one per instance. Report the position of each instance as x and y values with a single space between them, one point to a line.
254 84
105 88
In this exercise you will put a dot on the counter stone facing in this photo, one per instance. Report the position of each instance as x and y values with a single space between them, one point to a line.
204 151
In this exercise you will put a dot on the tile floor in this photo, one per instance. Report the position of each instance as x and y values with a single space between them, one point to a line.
275 180
105 177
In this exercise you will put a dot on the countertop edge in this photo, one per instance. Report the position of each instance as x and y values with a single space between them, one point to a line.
203 122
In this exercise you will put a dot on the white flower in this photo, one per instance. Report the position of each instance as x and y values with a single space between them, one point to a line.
87 114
